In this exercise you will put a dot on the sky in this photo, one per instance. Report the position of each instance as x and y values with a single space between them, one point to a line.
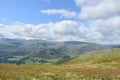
95 21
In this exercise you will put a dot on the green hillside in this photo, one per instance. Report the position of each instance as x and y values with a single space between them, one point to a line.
110 57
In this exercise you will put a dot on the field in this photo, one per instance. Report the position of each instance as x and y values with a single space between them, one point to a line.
58 72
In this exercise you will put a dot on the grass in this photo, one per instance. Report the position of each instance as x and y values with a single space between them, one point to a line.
110 56
102 65
58 72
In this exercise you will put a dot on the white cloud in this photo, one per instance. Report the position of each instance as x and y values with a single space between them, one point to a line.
64 30
100 9
62 12
108 28
103 17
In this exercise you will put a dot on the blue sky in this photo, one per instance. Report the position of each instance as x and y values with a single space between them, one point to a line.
61 20
28 11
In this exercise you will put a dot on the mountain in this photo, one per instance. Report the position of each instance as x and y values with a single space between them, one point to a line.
41 51
109 56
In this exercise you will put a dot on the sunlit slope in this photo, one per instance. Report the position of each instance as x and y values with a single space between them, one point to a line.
111 56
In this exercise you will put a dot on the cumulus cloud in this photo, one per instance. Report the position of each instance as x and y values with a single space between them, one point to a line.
108 28
62 12
100 9
64 30
103 17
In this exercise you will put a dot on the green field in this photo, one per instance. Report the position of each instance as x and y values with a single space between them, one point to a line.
41 61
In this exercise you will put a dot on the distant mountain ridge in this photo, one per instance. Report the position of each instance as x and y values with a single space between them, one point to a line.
31 49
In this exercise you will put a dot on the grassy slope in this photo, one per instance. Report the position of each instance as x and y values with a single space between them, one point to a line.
85 67
110 56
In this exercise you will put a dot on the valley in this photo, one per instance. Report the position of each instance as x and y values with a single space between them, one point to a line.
16 51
